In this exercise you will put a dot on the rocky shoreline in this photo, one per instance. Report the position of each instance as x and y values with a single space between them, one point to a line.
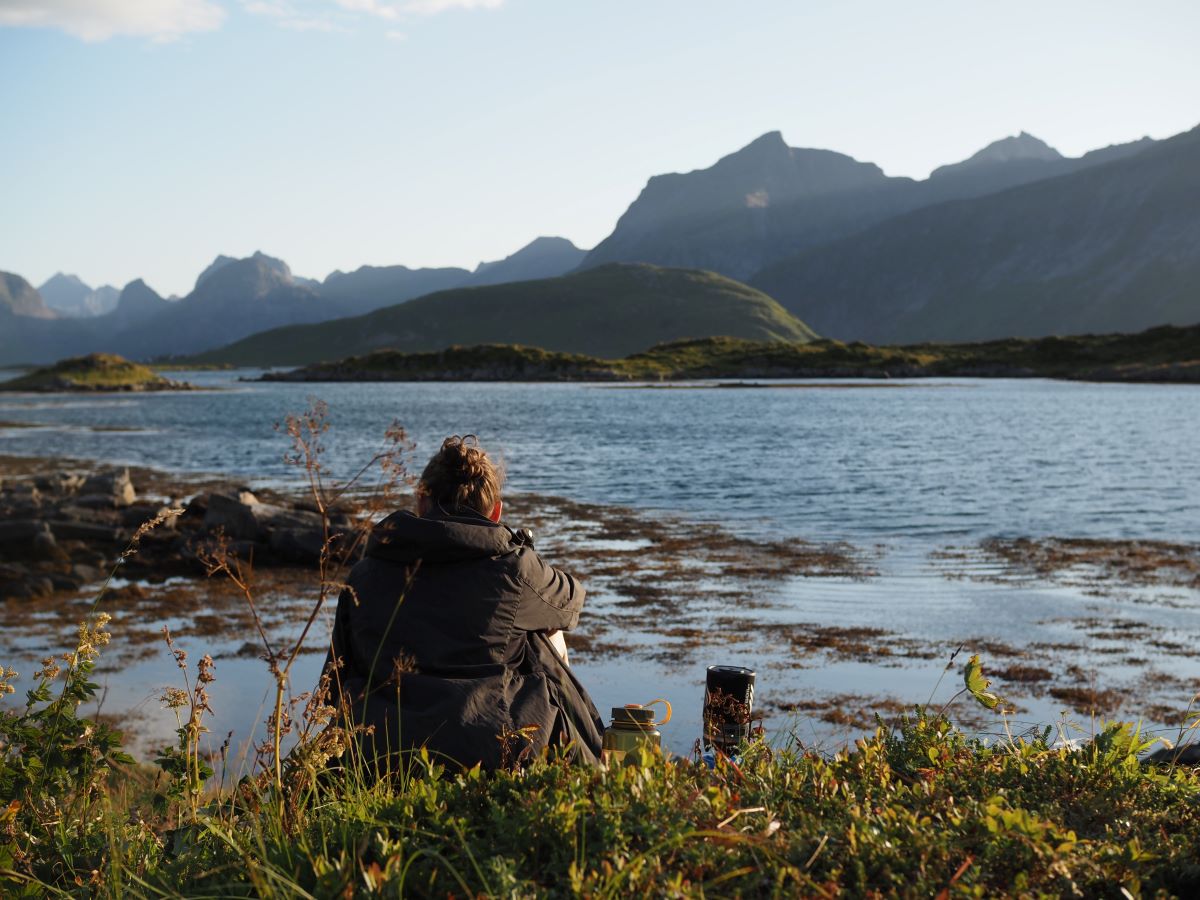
65 525
1160 355
66 386
665 595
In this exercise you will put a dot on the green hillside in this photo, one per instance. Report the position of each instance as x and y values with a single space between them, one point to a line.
1166 354
95 372
609 312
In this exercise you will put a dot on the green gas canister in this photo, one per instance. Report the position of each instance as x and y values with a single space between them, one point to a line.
633 727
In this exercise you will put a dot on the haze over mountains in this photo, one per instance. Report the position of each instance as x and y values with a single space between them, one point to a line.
18 298
1016 240
234 298
1111 248
769 200
68 296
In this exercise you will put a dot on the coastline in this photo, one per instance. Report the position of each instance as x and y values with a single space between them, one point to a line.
1167 354
667 596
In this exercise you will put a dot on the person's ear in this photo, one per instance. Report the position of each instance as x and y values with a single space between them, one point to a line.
497 510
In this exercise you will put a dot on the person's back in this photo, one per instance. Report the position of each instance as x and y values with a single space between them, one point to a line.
441 638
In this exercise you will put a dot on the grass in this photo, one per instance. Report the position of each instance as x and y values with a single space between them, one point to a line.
1167 353
95 372
914 810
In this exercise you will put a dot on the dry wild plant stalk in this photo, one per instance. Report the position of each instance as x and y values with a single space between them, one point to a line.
146 527
516 746
362 498
192 769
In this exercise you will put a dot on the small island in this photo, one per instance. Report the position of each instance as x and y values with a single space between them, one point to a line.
94 373
1165 354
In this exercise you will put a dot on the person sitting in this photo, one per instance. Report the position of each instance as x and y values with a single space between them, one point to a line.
444 636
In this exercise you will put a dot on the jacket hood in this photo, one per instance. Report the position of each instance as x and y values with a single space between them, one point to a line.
440 537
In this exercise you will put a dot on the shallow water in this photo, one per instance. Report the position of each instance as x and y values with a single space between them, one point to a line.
901 473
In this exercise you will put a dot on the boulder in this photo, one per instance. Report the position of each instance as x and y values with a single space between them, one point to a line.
68 530
44 546
86 574
107 490
20 531
296 535
32 587
60 482
297 545
278 518
236 519
65 581
140 513
195 509
29 539
12 580
23 495
1187 755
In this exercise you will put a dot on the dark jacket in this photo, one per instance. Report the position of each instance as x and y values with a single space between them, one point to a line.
441 633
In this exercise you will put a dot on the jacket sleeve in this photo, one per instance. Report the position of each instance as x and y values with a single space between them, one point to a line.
550 599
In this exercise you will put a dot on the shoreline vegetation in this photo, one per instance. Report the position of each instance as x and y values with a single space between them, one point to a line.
94 373
1168 354
917 808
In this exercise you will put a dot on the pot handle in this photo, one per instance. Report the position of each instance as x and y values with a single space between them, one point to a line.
664 703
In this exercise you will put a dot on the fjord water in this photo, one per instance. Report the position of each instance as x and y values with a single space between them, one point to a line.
901 470
864 461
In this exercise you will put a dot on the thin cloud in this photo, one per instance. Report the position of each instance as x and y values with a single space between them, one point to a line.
311 23
99 20
287 15
339 15
433 7
370 7
398 8
275 9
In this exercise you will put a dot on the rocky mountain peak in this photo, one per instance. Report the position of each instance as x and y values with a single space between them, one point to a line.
18 298
71 296
543 257
139 300
256 274
63 281
1018 148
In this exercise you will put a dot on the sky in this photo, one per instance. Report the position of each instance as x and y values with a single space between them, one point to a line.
141 138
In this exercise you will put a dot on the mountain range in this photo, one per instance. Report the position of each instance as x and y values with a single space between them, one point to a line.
233 298
769 200
1016 240
1112 247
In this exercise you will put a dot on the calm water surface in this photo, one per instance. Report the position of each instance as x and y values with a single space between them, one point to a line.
927 460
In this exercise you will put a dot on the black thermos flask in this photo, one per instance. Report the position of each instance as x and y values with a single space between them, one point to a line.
728 700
